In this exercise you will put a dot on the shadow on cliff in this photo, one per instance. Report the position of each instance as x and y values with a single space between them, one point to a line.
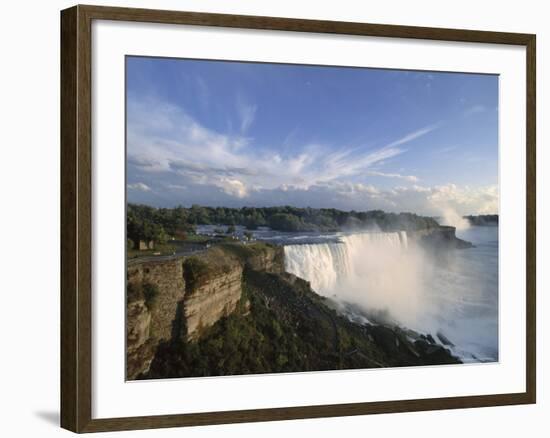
179 327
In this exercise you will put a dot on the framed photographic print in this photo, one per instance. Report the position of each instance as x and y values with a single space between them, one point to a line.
268 218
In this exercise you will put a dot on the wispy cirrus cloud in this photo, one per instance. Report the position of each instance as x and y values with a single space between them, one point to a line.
445 150
246 112
171 154
412 136
163 138
475 109
203 92
169 148
410 178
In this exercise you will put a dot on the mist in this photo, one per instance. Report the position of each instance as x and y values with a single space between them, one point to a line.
385 274
450 217
375 271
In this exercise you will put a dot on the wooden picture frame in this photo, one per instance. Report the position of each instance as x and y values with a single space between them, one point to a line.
76 217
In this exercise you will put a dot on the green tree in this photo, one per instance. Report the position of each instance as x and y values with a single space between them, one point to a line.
285 222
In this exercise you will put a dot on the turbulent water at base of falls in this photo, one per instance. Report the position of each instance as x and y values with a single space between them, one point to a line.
455 292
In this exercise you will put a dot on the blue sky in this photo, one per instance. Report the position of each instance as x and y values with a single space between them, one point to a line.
249 134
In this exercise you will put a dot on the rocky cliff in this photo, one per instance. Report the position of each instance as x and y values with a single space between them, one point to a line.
441 237
213 290
155 290
177 298
281 325
233 310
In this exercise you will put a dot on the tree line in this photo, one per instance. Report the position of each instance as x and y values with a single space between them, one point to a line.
483 220
150 223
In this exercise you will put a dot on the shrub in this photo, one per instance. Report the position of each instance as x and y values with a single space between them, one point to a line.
150 294
195 269
147 292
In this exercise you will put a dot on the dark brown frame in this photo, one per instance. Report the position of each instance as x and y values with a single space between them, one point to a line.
76 173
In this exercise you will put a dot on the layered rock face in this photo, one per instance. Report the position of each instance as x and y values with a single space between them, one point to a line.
167 277
213 291
269 260
149 320
177 298
140 345
214 299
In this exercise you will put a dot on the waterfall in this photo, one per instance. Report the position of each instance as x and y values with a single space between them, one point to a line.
379 273
321 264
403 239
329 265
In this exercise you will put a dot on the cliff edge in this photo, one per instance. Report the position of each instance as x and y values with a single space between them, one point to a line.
438 238
233 310
177 298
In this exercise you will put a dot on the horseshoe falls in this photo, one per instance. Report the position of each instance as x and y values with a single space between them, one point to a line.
454 292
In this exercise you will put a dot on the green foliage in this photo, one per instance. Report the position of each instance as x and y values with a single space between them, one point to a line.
150 293
286 222
280 325
245 252
142 291
277 327
150 223
254 219
159 249
483 219
195 269
134 292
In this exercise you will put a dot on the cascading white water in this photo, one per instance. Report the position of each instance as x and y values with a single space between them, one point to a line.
455 292
327 265
323 264
373 270
403 238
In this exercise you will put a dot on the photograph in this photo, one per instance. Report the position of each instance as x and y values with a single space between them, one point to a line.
268 219
289 218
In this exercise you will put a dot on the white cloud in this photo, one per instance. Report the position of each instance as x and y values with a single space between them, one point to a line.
431 201
169 148
476 109
445 150
246 112
175 187
233 187
203 92
166 145
410 178
412 136
139 186
480 200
